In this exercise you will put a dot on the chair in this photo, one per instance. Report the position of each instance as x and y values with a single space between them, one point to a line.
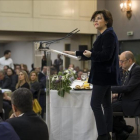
137 121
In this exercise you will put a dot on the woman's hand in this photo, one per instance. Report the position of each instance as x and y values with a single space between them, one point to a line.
87 53
70 52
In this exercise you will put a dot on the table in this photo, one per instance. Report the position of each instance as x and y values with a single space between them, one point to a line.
71 117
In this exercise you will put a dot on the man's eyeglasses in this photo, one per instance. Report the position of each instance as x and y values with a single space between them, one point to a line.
122 61
96 19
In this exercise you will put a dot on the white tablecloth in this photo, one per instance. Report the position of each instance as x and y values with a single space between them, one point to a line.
71 117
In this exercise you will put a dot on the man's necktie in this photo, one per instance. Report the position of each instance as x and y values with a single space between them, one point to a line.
124 82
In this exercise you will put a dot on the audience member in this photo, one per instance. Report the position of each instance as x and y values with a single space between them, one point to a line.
80 72
71 66
76 69
13 78
61 68
25 68
25 122
128 100
7 132
58 62
17 66
35 86
44 70
5 81
23 80
6 60
5 68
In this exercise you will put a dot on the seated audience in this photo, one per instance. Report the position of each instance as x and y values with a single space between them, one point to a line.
76 69
5 68
23 80
13 78
25 122
71 66
35 85
5 81
7 132
128 100
80 72
17 66
25 68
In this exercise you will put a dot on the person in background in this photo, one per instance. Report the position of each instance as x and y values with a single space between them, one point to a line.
71 66
32 66
23 80
17 66
13 78
80 72
5 68
25 68
35 85
58 62
25 122
6 60
44 70
5 81
61 68
76 69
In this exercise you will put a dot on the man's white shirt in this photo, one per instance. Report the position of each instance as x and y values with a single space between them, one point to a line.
4 62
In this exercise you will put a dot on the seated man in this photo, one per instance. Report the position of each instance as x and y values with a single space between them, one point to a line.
7 132
5 81
26 123
128 100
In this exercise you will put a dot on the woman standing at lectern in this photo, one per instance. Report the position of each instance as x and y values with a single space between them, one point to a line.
104 71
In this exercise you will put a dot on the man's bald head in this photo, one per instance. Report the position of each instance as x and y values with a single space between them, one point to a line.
126 59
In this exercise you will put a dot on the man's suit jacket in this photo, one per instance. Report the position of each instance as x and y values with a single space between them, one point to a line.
104 59
5 83
131 90
30 127
7 132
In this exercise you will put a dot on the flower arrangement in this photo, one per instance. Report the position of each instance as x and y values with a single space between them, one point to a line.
62 81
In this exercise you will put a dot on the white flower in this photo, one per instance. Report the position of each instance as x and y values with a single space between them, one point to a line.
55 78
63 78
67 75
66 71
74 71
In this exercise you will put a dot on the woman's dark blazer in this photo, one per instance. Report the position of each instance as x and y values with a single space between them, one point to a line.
104 59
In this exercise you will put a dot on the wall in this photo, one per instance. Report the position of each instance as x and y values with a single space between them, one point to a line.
47 15
21 45
121 23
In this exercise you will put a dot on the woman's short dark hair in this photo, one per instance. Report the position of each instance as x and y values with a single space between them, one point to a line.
22 98
107 17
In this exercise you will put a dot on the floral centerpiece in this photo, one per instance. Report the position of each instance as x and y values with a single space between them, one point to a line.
62 81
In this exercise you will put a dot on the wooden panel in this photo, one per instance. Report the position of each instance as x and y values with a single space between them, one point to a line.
16 8
86 9
53 9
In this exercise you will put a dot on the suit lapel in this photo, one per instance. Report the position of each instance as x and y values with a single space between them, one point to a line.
129 75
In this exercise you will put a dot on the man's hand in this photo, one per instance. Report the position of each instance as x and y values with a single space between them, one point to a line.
13 115
70 52
87 53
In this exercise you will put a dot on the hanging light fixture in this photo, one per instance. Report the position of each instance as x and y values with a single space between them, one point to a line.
126 6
